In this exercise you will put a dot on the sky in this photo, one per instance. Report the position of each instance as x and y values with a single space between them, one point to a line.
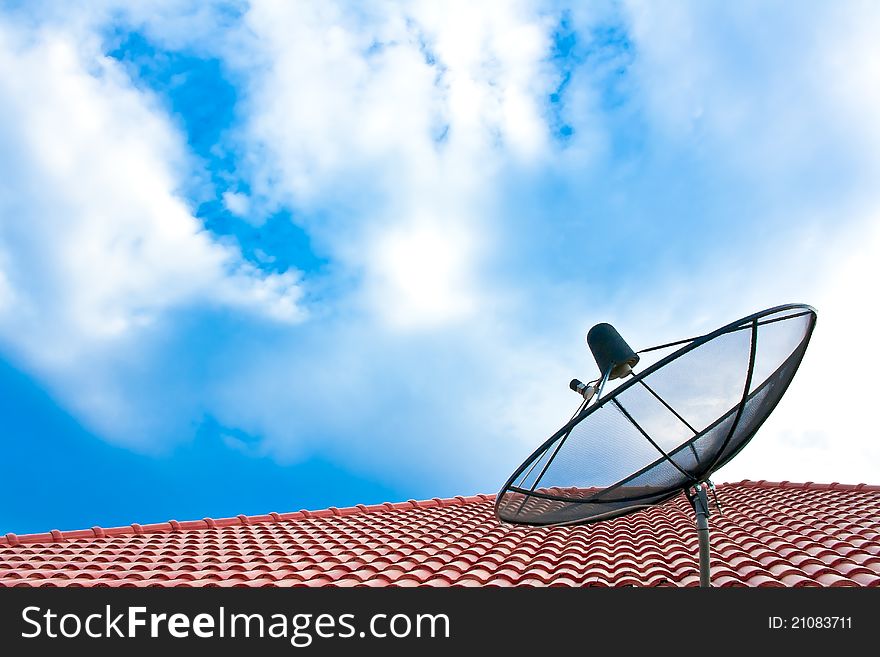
264 256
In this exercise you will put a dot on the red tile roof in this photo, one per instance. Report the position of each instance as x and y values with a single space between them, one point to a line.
770 534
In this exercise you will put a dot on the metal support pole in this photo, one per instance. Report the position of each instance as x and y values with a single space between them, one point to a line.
700 501
602 383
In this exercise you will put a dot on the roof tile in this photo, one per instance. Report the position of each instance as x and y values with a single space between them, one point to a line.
770 534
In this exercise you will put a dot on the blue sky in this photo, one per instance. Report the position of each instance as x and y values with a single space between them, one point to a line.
262 256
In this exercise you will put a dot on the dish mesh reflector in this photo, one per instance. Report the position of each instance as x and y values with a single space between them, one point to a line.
665 428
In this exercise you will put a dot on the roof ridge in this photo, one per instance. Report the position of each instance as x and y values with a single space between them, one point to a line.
172 526
808 485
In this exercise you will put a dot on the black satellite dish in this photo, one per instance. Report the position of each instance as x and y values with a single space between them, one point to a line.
663 430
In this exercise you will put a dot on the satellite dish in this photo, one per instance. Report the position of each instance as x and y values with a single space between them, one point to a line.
663 430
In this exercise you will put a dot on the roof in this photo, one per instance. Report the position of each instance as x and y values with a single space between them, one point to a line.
770 534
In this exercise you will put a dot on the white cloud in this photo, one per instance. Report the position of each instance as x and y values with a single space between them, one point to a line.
236 203
112 255
394 121
6 294
97 244
777 90
392 133
422 268
824 428
784 114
